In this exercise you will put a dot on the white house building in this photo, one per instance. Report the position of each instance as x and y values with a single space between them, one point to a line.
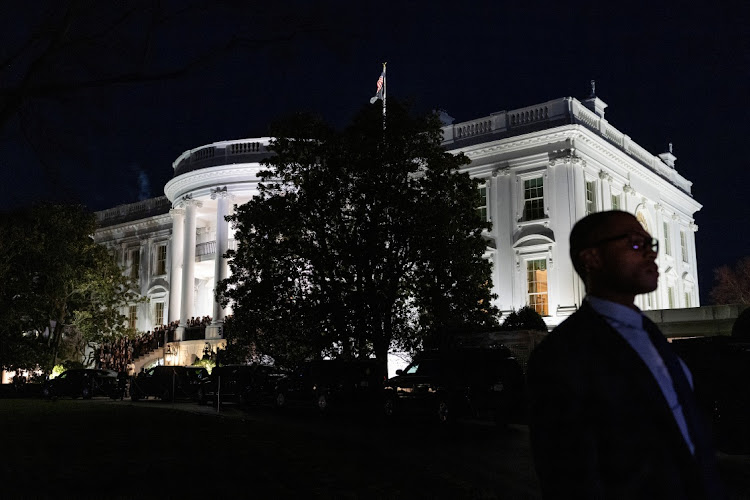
542 168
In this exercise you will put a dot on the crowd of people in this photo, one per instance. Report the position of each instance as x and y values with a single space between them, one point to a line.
204 321
118 354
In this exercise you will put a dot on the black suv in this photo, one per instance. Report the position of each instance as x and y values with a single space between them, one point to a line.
483 383
168 382
85 383
241 384
331 383
721 377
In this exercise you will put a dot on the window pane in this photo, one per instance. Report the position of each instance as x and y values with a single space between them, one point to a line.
683 245
590 197
132 316
615 202
533 195
482 204
135 264
161 260
159 314
667 240
536 273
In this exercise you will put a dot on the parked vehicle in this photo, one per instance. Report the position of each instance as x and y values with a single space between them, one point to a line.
482 383
331 383
721 378
168 382
84 383
240 384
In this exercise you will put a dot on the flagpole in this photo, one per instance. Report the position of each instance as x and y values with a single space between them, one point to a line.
384 89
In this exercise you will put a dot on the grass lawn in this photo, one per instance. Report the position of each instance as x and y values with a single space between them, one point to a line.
104 449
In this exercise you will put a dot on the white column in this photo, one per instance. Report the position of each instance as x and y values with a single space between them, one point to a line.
175 273
222 244
188 267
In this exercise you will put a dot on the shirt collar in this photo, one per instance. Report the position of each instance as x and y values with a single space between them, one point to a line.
617 312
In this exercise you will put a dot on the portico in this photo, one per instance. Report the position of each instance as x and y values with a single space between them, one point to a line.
208 182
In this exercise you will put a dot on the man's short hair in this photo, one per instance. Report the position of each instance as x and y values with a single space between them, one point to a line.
586 232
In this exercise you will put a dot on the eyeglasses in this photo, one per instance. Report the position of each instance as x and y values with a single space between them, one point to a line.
637 242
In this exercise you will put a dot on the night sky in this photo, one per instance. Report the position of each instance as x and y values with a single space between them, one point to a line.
161 80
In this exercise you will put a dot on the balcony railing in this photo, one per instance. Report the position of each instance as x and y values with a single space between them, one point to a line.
222 153
209 248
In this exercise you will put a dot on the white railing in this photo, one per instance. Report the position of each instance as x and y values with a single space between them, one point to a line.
221 151
528 115
473 128
139 207
209 248
560 110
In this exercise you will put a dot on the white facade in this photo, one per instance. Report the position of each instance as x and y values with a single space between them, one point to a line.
582 164
543 168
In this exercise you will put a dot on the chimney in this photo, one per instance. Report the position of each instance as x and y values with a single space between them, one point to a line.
594 103
668 158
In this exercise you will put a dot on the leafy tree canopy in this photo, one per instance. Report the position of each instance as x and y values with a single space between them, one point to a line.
359 241
732 284
526 318
55 280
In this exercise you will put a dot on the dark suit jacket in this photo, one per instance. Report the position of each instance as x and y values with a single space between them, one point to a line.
600 426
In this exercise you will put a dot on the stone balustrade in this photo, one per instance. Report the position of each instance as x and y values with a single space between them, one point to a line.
222 153
565 111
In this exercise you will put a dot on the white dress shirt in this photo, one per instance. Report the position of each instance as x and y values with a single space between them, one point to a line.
628 322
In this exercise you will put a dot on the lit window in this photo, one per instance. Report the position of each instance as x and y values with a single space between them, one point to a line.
615 202
667 240
132 316
135 264
683 246
590 197
159 314
670 297
161 259
482 204
687 299
533 196
536 274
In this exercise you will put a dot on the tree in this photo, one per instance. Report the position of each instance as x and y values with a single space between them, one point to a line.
55 281
359 241
732 285
526 318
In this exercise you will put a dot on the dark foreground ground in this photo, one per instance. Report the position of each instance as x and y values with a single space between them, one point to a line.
118 449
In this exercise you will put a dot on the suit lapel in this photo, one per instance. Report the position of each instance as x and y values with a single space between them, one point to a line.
628 360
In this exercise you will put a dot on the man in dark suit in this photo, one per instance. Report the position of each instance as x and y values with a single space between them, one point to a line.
612 413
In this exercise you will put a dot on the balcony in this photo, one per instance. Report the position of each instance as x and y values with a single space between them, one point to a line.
207 250
222 153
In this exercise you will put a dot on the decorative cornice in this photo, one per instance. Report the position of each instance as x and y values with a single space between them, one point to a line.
137 225
219 193
569 157
245 174
693 227
188 201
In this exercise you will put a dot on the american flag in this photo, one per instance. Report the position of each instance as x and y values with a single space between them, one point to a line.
380 85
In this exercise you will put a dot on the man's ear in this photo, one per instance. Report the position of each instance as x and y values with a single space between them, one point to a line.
591 259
